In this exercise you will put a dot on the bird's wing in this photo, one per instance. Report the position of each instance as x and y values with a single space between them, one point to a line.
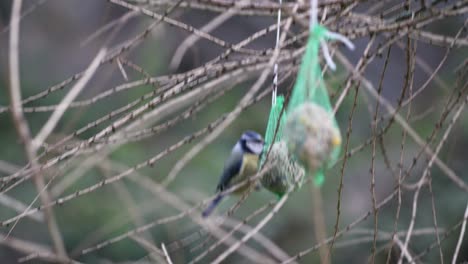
231 169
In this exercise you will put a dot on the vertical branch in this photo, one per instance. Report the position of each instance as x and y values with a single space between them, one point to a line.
359 67
319 224
434 217
374 142
23 130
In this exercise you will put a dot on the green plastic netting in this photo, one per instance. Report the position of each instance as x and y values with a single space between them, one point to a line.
309 87
273 120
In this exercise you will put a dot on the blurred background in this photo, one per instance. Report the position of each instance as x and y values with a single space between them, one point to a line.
59 39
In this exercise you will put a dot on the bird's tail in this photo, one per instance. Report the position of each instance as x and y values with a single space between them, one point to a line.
212 205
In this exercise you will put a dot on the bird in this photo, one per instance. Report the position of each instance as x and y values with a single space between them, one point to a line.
242 163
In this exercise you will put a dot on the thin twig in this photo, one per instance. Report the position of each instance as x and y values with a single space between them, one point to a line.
166 254
28 247
23 129
460 238
62 107
257 228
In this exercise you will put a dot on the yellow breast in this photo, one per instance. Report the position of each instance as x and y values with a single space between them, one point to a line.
248 169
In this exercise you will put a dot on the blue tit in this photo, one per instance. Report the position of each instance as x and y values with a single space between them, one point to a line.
242 163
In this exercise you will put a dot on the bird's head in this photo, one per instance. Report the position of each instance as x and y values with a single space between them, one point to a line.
251 142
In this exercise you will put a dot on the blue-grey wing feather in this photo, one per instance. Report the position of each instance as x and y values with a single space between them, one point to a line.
231 168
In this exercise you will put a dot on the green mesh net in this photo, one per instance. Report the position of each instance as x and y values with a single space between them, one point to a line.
273 119
309 88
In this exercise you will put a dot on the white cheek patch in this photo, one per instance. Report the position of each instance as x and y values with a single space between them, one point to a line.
255 147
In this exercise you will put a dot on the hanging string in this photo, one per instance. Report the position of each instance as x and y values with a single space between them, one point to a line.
277 102
275 69
313 12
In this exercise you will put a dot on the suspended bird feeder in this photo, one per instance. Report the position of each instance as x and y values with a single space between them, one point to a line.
285 174
311 136
305 138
